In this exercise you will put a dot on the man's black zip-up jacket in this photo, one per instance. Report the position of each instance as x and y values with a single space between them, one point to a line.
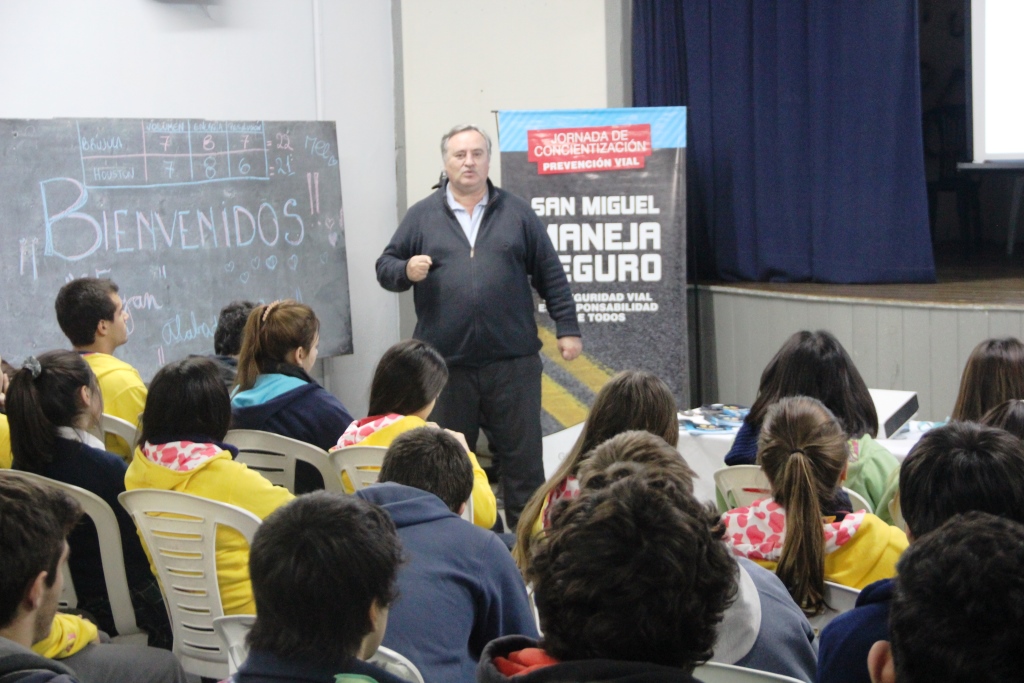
475 306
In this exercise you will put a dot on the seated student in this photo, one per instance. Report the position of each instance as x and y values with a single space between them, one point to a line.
628 587
953 469
994 373
763 628
957 609
632 399
408 379
34 523
803 452
53 403
227 339
6 457
92 316
273 390
1008 416
180 449
458 587
815 364
323 572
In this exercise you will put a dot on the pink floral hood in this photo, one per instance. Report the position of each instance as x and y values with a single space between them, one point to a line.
758 531
360 429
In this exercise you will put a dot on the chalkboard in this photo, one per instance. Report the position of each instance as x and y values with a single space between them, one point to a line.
185 215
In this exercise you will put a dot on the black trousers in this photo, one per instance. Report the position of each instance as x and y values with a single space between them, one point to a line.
503 399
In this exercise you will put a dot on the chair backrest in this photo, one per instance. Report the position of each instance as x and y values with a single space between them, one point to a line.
180 532
360 463
858 501
839 599
397 664
119 427
274 456
741 485
467 514
713 672
232 630
111 558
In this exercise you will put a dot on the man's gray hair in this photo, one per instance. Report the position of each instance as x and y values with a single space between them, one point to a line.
462 128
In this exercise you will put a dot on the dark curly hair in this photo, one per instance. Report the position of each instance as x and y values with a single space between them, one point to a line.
958 603
633 572
227 339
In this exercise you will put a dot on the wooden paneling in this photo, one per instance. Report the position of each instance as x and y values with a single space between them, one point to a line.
910 343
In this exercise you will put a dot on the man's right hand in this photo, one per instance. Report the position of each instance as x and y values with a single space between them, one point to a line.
417 268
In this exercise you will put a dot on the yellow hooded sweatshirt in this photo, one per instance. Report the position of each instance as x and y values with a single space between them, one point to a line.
382 430
222 479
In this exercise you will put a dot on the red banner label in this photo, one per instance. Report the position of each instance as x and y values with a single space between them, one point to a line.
585 150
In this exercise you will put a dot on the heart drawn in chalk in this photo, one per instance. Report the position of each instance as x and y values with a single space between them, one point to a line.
333 239
293 261
244 277
323 258
330 222
255 263
272 261
229 266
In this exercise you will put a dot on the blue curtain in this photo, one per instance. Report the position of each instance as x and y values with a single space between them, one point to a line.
805 159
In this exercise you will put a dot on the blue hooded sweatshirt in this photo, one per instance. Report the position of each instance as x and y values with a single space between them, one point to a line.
458 589
845 642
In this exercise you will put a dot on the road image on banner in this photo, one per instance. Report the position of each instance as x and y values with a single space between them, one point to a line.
610 187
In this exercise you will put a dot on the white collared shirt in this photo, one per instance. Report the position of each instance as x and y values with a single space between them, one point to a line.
470 223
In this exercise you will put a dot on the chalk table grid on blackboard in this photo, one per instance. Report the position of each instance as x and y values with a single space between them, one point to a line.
184 214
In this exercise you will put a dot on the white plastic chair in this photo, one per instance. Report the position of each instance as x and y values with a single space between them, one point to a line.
180 532
857 501
274 456
361 463
839 599
111 424
397 664
741 485
713 672
896 513
232 630
111 558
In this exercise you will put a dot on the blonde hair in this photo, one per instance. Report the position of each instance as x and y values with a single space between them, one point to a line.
632 399
271 332
803 451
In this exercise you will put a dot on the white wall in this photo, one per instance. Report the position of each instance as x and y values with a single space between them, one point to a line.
237 59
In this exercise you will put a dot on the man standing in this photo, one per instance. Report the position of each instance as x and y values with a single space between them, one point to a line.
92 316
471 251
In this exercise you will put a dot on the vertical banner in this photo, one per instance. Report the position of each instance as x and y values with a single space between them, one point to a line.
610 187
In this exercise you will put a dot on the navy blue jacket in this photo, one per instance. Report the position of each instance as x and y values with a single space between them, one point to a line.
264 667
456 303
458 589
101 473
844 644
308 413
744 447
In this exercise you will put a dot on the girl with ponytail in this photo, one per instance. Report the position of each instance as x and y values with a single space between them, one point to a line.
274 392
54 407
803 451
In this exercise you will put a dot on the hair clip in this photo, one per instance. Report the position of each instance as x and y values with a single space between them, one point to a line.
32 365
268 309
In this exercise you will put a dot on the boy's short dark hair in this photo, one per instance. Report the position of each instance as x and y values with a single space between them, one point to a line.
317 564
227 339
628 573
959 598
81 304
431 460
960 467
34 522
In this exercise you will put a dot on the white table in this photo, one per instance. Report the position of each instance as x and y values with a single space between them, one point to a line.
705 453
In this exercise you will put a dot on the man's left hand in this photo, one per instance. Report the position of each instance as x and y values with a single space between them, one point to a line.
570 347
